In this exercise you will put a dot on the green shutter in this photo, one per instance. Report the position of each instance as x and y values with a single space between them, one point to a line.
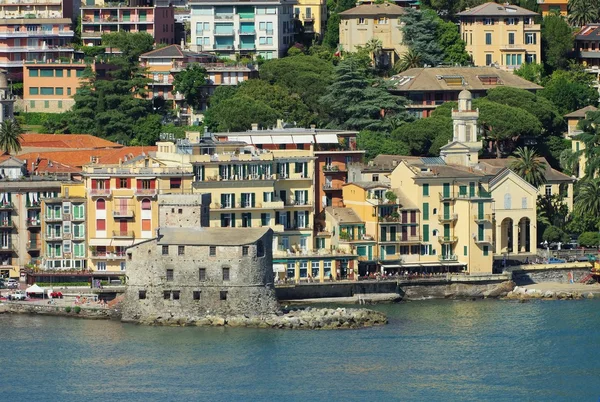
446 210
480 207
425 211
425 233
480 231
222 199
446 190
446 230
232 220
253 197
465 250
426 189
485 250
472 189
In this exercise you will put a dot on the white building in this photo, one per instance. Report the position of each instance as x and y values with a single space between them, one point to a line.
263 28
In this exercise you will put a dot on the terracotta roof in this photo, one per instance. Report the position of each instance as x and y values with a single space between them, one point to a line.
173 52
10 160
497 10
589 32
582 112
445 78
495 166
372 10
80 141
367 185
343 215
78 158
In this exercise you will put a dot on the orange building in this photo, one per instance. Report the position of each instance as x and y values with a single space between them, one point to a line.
50 86
553 6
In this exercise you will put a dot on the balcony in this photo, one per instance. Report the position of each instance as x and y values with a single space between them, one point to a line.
246 32
145 192
33 245
246 16
478 194
7 206
223 47
513 47
100 192
223 33
447 196
447 239
391 257
33 222
35 205
294 176
409 239
7 224
108 256
123 234
223 16
77 218
332 186
482 218
8 248
123 213
448 258
389 219
483 240
296 227
334 169
446 218
53 218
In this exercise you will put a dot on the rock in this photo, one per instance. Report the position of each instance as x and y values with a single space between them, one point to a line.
549 294
590 295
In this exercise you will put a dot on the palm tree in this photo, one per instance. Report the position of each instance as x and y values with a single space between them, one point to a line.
583 12
588 199
410 59
529 167
375 47
10 136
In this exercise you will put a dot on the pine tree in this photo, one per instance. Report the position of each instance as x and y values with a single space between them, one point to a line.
419 32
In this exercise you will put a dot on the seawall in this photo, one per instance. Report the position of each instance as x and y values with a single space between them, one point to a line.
557 273
16 307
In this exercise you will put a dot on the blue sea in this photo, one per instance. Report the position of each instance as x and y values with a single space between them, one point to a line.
430 351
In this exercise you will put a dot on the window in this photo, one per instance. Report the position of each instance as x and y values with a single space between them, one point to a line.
122 183
223 295
425 189
260 249
361 21
142 294
101 266
79 73
47 91
530 38
165 250
169 275
46 72
34 72
485 251
34 91
488 21
100 224
225 273
202 274
101 204
530 58
59 91
69 91
175 182
507 201
524 203
548 190
465 250
488 38
511 38
196 295
167 295
425 211
176 294
180 250
212 251
382 20
244 250
488 59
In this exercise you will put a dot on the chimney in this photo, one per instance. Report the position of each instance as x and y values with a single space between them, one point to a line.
313 126
279 123
254 126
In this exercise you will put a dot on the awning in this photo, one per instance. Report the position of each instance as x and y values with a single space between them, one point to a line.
243 138
303 139
122 243
145 178
282 139
261 139
100 242
326 138
394 266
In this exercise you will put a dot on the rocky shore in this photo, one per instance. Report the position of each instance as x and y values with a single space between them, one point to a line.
521 293
307 318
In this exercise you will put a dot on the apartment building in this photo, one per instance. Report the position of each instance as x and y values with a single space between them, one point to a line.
39 9
28 39
427 88
313 16
501 34
587 47
100 17
553 7
578 146
63 228
49 86
163 65
122 205
365 22
262 28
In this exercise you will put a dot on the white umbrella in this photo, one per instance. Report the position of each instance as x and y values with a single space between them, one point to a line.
34 289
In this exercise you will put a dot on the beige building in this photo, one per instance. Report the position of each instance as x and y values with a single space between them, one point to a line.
578 146
503 35
313 15
373 21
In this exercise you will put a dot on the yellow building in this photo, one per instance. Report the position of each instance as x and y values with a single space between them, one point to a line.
64 242
553 7
253 187
578 146
503 35
313 15
122 207
365 22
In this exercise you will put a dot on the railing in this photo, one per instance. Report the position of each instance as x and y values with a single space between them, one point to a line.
145 192
334 168
33 222
228 33
409 239
7 248
447 239
7 205
296 227
53 218
7 223
241 32
123 233
108 256
223 16
35 205
33 245
478 194
100 192
129 213
483 240
483 218
447 217
513 46
448 257
447 196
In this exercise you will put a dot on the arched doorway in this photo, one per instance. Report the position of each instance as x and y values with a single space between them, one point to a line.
524 235
506 235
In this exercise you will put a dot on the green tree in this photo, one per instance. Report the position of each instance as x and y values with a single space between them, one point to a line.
533 72
10 136
239 113
590 136
583 12
332 33
589 239
582 223
424 137
557 42
419 32
554 234
355 102
191 83
528 165
130 44
409 59
588 199
570 90
449 40
376 143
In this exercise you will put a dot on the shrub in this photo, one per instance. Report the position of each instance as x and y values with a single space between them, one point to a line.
68 309
589 239
77 309
555 234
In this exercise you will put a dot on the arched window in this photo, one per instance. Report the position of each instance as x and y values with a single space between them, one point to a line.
146 204
435 232
101 204
507 201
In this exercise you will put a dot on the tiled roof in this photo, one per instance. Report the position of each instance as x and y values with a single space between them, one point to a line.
582 112
8 160
497 10
445 171
391 161
495 166
372 10
344 215
589 32
173 52
445 78
80 141
367 185
78 158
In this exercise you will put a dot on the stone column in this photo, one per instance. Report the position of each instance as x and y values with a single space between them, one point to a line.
523 235
515 238
499 239
297 272
322 271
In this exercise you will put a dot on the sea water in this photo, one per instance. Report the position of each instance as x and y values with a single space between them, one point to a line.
430 351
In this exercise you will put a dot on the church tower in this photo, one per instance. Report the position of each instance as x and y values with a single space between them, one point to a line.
464 147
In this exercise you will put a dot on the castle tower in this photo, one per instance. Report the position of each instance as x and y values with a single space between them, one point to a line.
464 147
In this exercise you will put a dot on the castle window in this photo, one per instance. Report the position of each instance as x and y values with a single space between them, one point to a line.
176 294
165 250
129 256
223 295
167 295
244 250
180 250
169 274
180 210
202 274
225 273
213 251
142 294
197 294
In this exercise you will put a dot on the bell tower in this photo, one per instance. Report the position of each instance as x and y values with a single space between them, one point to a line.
464 147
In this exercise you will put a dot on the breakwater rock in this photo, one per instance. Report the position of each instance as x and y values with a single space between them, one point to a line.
456 290
520 293
308 318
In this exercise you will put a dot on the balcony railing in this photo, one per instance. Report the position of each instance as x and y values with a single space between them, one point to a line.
447 239
478 194
108 256
245 32
33 222
483 239
447 196
127 213
35 205
7 205
100 192
53 218
7 248
409 239
33 245
145 192
448 257
483 218
8 223
123 234
332 186
447 217
334 168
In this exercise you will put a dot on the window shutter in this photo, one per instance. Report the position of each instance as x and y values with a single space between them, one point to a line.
253 200
152 184
289 217
265 196
263 219
306 196
295 219
232 220
222 220
276 218
306 218
222 200
129 182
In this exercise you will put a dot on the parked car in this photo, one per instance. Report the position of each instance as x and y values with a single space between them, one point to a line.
554 260
18 295
12 283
